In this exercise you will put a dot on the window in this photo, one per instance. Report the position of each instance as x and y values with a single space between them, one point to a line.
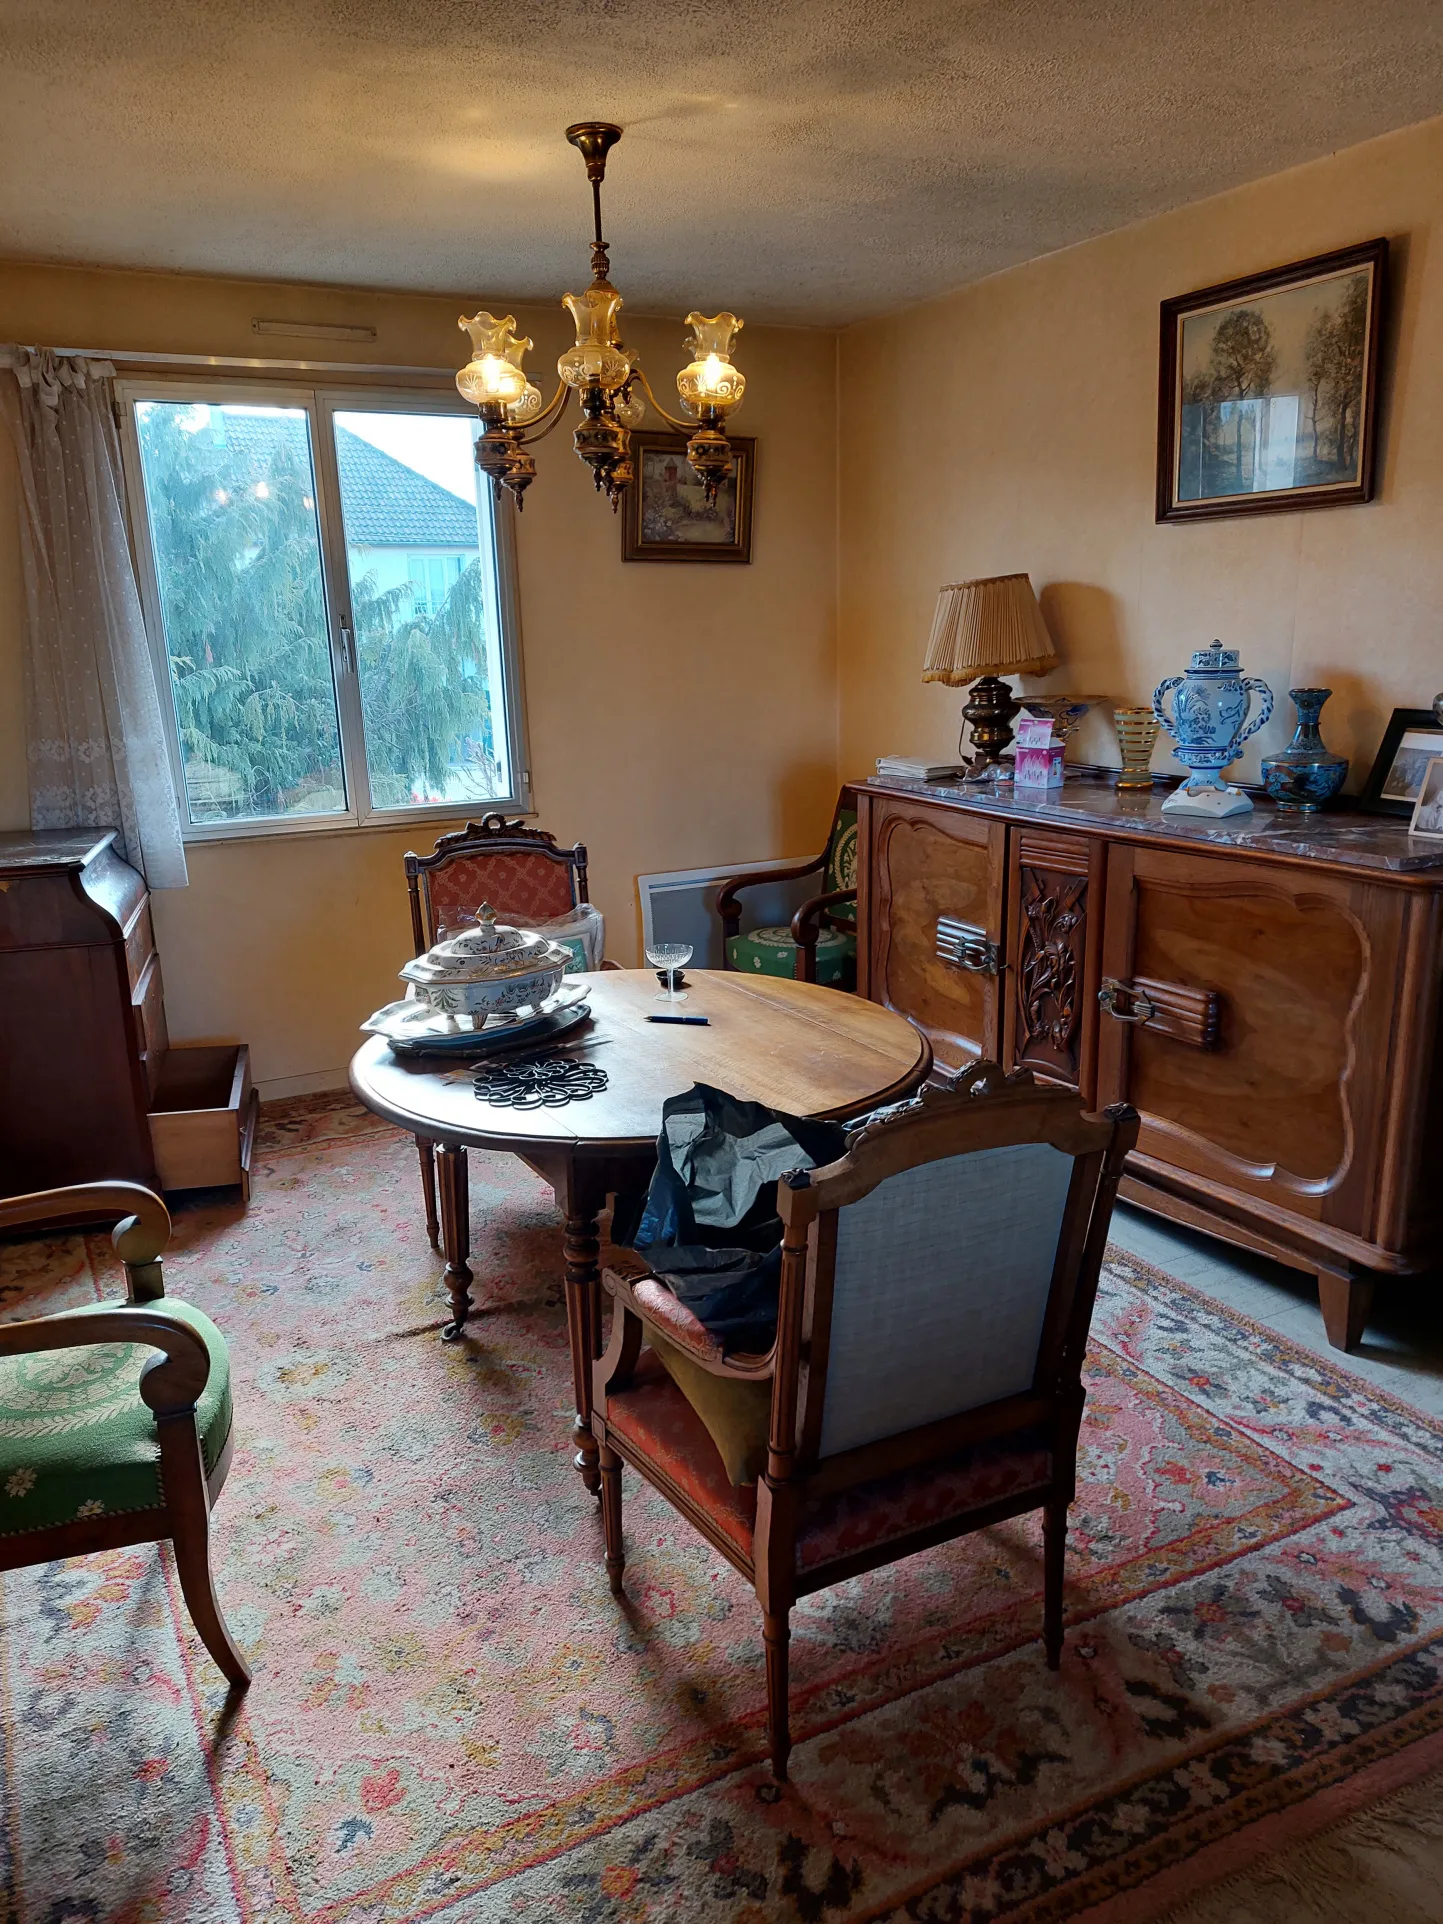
331 605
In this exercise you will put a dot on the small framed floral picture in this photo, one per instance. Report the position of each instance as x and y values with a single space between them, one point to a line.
665 515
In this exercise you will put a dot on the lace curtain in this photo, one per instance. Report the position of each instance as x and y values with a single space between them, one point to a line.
97 748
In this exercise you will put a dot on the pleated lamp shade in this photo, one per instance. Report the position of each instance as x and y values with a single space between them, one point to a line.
988 627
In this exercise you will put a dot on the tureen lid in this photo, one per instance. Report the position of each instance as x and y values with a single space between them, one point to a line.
491 952
1215 658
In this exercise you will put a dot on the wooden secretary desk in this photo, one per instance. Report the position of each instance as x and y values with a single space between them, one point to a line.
91 1087
1264 991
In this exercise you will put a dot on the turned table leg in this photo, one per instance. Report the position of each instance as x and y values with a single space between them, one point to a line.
455 1234
581 1185
583 1321
426 1150
1345 1301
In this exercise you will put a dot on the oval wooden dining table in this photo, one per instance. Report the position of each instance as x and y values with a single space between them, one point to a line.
806 1050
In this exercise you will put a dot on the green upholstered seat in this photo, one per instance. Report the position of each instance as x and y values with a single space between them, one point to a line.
773 952
77 1441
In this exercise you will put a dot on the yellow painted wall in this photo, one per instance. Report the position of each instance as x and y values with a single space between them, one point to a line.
688 716
680 716
1030 444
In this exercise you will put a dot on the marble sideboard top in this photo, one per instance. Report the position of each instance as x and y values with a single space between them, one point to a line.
1090 801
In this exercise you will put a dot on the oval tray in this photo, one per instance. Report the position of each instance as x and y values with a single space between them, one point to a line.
521 1035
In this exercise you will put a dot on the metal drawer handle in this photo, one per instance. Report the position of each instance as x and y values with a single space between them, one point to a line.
1142 1010
967 947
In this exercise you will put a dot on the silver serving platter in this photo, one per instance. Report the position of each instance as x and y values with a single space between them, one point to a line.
412 1027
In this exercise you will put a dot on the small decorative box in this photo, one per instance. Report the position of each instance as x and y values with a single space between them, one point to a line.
1039 757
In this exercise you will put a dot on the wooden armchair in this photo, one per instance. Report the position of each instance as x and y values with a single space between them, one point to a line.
525 877
821 944
936 1291
146 1448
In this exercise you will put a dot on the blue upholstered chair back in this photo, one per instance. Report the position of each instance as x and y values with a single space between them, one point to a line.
941 1287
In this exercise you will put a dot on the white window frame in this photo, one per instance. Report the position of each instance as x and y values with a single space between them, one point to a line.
321 403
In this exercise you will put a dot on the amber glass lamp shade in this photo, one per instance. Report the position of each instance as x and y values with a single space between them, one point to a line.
709 381
598 358
494 374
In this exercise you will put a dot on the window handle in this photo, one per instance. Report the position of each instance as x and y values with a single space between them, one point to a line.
347 643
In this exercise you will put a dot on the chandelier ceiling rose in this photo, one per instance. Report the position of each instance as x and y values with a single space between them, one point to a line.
594 140
611 388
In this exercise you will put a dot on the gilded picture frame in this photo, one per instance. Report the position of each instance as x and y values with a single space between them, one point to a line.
1268 389
664 515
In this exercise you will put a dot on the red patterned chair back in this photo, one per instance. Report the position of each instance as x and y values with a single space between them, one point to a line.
520 871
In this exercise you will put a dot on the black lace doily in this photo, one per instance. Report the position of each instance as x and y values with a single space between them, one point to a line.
538 1083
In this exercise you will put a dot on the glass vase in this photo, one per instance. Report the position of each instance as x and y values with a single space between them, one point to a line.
1137 733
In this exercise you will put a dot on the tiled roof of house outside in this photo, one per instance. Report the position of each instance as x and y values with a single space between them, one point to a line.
386 504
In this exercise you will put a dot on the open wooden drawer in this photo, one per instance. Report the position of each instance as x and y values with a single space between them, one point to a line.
203 1117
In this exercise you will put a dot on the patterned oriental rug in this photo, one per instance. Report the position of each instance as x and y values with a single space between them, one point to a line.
452 1719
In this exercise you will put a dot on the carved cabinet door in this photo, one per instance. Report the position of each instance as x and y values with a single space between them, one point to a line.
1054 917
1247 1012
932 898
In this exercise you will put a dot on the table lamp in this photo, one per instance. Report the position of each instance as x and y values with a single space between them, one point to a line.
981 631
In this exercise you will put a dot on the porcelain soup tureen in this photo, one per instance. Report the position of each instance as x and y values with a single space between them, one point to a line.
488 970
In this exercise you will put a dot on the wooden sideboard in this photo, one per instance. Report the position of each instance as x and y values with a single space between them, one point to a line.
91 1088
1264 991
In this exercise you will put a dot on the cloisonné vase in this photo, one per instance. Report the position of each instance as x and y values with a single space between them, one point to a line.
1305 774
1209 720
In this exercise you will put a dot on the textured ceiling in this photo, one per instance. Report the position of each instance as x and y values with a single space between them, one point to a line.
803 160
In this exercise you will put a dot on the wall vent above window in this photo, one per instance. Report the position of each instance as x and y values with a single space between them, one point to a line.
315 330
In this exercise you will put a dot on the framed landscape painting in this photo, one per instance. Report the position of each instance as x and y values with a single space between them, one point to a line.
1268 389
664 512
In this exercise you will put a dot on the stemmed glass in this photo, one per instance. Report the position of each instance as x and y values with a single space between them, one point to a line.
670 956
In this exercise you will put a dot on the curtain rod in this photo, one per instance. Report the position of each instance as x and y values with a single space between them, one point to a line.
133 357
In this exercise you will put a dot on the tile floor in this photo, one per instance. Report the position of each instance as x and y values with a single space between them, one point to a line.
1402 1347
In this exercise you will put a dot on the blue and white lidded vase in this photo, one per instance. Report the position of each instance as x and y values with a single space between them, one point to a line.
1209 713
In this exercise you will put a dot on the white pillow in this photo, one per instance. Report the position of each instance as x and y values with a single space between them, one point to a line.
583 931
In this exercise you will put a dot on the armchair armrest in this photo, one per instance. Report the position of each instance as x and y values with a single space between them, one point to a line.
730 909
170 1384
652 1304
806 927
138 1238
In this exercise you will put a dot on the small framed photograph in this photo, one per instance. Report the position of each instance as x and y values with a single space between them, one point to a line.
1268 389
1411 740
664 513
1428 809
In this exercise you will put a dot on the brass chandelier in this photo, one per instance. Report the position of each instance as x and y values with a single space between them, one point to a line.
606 376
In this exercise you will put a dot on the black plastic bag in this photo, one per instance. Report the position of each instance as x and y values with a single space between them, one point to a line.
709 1225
